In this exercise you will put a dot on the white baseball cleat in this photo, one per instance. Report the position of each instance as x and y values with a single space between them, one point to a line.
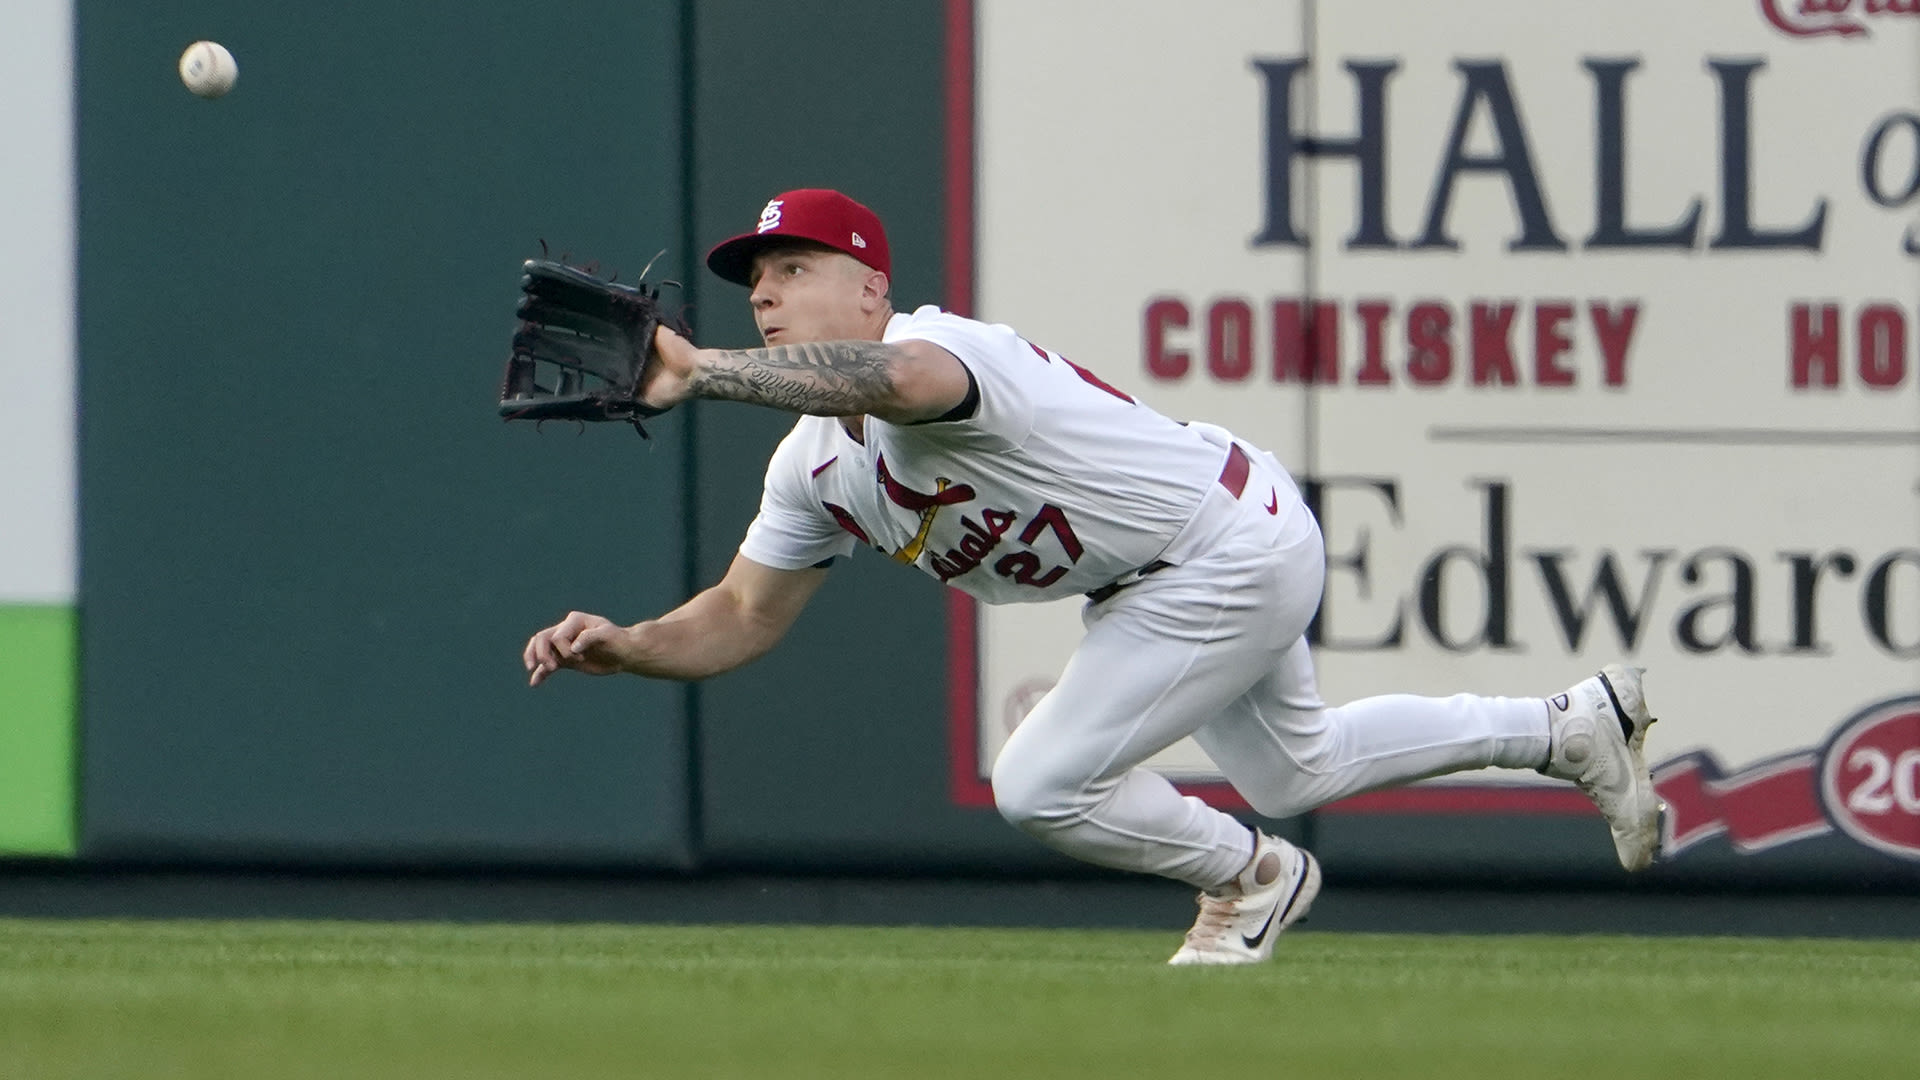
1598 732
1240 921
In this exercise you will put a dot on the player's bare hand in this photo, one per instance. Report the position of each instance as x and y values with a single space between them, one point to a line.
579 642
666 383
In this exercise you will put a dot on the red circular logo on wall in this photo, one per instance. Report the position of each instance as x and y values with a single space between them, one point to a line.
1870 777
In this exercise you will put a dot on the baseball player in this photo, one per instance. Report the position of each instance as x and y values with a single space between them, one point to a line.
1008 471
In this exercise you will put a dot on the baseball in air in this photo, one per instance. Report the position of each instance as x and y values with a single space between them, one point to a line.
208 69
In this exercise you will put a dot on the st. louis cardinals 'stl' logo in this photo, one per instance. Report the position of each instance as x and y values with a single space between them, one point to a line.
927 506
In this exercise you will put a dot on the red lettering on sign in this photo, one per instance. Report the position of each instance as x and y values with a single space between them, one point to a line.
1493 345
1550 343
1614 331
1164 361
1298 335
1373 321
1815 18
1818 353
1816 347
1230 340
1883 346
1430 344
1306 345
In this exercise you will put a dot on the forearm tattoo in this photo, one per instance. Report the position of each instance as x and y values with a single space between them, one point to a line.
829 378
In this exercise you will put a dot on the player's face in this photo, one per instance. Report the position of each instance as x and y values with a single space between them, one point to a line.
804 294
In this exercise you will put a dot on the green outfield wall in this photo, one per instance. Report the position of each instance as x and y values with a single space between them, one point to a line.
36 729
312 553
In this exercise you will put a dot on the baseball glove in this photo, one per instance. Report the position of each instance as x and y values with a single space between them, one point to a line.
582 347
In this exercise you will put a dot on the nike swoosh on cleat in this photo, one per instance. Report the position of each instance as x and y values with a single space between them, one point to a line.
1626 722
1279 910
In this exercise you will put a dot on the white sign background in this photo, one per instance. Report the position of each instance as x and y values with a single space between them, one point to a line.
1117 166
38 485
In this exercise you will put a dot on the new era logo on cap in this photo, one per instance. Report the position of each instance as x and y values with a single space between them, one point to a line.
821 215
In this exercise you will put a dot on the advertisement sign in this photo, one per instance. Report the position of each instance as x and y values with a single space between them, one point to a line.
1594 337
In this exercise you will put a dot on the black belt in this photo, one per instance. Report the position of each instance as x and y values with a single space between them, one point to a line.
1105 592
1233 477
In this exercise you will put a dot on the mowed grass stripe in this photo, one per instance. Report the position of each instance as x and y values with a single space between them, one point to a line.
254 999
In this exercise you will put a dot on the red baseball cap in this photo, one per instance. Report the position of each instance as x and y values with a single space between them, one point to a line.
818 214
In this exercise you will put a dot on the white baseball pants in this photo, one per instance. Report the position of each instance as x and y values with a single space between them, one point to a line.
1214 647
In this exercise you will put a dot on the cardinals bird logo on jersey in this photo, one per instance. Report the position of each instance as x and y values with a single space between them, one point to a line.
927 506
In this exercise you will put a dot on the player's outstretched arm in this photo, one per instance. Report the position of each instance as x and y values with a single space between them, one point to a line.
718 630
900 382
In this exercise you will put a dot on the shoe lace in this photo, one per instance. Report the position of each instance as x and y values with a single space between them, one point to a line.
1216 917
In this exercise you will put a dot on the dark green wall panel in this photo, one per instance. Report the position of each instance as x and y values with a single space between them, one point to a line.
831 750
310 552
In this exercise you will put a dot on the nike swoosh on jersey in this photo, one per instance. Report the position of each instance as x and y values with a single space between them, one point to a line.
1279 909
1273 501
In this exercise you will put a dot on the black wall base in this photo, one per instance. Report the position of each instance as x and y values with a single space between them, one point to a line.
65 891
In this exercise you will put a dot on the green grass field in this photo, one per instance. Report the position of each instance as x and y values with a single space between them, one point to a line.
257 999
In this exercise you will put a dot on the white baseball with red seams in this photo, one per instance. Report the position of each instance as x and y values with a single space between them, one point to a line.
208 69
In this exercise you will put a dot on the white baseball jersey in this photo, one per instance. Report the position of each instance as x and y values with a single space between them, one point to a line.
1056 484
